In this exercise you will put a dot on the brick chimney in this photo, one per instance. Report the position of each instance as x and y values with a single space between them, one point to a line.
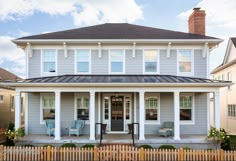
196 22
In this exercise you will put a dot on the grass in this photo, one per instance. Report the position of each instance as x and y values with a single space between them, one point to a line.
233 142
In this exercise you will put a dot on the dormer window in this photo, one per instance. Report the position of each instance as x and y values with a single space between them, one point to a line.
185 62
49 61
83 61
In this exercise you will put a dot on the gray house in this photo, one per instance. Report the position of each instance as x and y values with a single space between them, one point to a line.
118 74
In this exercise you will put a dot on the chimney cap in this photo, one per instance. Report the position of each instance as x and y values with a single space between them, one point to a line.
196 8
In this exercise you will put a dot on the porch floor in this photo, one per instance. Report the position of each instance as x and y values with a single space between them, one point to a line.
112 138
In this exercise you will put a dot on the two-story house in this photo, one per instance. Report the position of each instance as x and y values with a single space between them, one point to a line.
227 71
117 74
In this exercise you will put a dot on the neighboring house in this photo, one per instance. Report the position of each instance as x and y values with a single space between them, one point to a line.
117 74
7 104
227 71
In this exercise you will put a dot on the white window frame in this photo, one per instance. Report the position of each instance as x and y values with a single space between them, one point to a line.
42 63
229 76
153 95
158 61
41 105
192 63
231 111
75 105
75 58
123 60
2 100
12 103
190 122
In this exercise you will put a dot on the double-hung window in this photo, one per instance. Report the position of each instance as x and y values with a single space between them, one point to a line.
187 108
117 61
152 108
49 57
185 62
82 107
83 61
150 61
231 110
48 107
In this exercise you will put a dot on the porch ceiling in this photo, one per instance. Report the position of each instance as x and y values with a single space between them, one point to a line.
119 80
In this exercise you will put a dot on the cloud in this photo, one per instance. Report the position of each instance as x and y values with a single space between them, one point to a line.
11 55
220 22
85 12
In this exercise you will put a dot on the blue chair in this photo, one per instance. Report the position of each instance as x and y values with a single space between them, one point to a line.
167 129
76 127
50 125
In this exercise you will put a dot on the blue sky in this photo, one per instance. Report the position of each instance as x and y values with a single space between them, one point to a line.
26 17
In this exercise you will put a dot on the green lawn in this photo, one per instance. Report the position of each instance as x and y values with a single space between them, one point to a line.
233 142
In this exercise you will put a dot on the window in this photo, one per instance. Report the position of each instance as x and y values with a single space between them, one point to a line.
12 103
48 107
152 108
49 60
116 61
1 99
82 107
232 110
106 108
150 61
83 61
229 76
185 61
186 107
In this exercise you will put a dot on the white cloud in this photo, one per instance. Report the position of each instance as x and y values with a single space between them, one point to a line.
13 56
220 22
86 12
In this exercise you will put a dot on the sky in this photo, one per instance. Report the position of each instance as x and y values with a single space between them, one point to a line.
28 17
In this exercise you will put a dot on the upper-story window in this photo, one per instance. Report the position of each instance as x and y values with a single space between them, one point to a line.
150 61
185 62
117 61
83 61
49 57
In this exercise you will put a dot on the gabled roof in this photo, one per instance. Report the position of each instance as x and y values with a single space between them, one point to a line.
225 64
116 31
69 80
7 76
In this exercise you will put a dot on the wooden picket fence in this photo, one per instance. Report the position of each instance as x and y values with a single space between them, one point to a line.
112 152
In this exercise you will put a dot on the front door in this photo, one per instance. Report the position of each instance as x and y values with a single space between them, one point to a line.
117 113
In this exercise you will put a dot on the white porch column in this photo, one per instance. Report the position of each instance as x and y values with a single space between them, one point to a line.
17 110
92 115
216 110
141 115
57 115
176 116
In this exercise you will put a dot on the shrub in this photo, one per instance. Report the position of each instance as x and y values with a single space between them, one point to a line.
187 148
46 145
88 146
28 145
68 145
146 146
166 147
219 137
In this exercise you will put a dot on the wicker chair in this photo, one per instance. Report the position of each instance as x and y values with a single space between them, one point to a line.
167 129
76 127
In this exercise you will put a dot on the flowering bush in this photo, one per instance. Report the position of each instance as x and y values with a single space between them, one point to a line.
217 136
15 134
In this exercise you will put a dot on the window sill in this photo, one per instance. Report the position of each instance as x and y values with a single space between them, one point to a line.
152 122
185 74
49 74
187 123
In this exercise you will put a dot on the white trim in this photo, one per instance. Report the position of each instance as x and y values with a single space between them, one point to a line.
26 114
42 73
99 107
27 64
17 109
141 115
65 50
92 115
208 112
176 115
158 61
83 94
190 122
192 64
152 95
75 61
135 109
42 122
57 115
168 50
123 61
133 50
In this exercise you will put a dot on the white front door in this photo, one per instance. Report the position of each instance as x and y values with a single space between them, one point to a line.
116 112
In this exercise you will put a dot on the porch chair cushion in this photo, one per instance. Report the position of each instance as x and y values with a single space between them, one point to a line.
76 127
167 129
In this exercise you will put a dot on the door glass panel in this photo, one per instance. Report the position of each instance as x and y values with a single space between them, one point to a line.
117 119
127 108
106 108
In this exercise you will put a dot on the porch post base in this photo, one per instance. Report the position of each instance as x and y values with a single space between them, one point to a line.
141 138
57 138
176 138
92 138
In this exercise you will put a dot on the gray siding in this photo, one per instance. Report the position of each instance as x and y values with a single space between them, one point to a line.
99 65
65 64
200 64
134 65
168 65
35 64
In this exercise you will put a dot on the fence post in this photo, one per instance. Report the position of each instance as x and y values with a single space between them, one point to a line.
141 154
1 152
180 154
49 153
222 155
95 154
